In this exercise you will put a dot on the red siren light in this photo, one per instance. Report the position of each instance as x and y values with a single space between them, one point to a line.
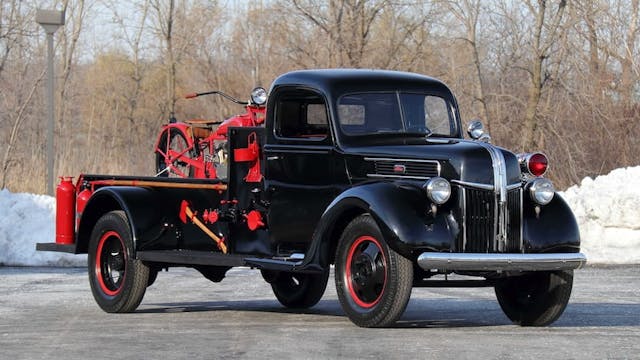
537 164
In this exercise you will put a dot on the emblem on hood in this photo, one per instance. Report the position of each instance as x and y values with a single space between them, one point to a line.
399 169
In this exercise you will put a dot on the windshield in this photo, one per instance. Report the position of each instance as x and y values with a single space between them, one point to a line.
395 113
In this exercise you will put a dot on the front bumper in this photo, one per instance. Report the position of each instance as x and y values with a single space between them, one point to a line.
501 262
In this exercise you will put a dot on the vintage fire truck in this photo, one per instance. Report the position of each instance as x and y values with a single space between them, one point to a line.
366 170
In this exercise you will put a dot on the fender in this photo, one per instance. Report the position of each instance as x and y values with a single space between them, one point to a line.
552 229
182 127
138 203
399 209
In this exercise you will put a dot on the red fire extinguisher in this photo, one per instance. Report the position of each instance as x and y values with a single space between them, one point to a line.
65 211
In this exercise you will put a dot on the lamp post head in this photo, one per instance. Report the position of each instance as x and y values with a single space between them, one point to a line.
50 20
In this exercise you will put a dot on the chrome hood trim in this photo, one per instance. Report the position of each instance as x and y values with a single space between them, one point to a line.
500 181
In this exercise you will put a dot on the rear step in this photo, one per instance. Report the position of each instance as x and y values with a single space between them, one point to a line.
71 248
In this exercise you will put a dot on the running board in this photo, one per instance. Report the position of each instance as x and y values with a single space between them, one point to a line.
454 283
283 265
191 257
194 257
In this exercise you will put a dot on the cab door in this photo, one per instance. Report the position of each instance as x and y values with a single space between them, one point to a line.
300 167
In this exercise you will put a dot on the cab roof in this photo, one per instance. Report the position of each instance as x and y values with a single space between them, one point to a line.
340 81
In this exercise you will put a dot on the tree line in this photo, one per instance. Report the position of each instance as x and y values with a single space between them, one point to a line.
558 76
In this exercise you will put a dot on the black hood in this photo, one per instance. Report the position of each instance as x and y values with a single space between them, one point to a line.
467 161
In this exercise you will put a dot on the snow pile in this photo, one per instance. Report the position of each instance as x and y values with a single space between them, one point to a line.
608 212
27 219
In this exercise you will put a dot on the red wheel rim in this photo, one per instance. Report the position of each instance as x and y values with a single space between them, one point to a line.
111 263
366 271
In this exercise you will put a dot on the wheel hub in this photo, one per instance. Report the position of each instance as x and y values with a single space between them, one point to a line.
110 263
366 271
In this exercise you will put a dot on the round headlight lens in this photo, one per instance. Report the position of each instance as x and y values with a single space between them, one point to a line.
438 190
542 191
259 96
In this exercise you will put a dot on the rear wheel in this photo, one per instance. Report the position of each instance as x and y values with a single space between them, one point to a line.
296 290
372 280
168 163
118 281
535 299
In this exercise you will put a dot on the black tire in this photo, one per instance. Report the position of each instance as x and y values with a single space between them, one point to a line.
118 281
372 280
177 141
535 299
296 290
213 273
153 275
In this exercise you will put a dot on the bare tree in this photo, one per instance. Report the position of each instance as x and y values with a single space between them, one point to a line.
164 17
548 20
17 122
346 23
468 12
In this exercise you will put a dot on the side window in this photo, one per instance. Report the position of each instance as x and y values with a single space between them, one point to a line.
301 114
369 113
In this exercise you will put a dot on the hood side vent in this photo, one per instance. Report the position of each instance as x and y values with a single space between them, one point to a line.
405 168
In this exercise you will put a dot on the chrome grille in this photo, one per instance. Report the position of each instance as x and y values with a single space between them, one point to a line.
480 221
514 221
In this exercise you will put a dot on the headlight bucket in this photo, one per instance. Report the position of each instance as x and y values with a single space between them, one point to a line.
541 191
438 190
259 96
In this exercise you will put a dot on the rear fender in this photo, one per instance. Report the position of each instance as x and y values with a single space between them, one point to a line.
138 203
399 210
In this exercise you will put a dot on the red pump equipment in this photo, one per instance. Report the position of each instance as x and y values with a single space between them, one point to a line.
65 211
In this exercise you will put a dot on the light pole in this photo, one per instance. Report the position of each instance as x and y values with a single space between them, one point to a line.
50 20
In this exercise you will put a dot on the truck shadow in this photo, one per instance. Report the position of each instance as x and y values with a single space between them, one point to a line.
423 313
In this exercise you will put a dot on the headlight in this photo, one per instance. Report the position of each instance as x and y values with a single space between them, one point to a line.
438 190
259 96
541 191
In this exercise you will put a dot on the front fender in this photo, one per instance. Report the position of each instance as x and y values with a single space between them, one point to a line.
551 229
399 209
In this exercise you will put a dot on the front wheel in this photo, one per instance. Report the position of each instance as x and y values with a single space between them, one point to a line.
535 299
372 280
118 281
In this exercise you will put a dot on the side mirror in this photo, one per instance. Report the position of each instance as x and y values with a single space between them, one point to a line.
476 131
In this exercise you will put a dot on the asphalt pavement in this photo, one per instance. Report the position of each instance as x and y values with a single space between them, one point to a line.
49 313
